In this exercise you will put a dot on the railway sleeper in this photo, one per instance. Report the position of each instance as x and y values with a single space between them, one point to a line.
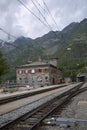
37 116
30 120
39 113
43 110
23 126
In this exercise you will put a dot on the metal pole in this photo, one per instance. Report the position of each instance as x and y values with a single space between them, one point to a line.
69 49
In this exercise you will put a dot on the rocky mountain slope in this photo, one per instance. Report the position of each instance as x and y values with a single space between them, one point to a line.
52 44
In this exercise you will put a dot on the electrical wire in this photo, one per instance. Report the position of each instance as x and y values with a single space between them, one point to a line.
41 15
47 11
40 5
50 14
51 18
7 33
37 16
4 43
32 13
54 21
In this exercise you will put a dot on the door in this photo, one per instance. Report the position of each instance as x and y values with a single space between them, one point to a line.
53 81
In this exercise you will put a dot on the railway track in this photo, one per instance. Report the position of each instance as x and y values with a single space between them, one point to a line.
31 120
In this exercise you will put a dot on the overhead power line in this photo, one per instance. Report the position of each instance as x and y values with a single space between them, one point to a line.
47 10
33 13
37 17
40 6
41 15
8 33
46 25
54 21
50 13
4 43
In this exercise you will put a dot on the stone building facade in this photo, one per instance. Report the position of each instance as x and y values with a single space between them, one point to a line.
38 74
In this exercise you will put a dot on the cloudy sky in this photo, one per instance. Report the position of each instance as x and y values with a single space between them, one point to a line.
18 21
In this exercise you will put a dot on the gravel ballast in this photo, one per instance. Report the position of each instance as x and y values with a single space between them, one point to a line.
77 109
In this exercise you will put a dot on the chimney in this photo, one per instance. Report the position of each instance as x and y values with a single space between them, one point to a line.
53 61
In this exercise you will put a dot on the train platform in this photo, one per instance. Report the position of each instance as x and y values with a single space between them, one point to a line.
32 99
26 90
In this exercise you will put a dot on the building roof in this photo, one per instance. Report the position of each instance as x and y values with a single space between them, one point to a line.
81 75
36 64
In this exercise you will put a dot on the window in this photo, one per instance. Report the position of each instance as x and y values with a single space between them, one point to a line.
26 80
29 71
20 71
46 79
46 70
26 71
33 79
33 71
40 70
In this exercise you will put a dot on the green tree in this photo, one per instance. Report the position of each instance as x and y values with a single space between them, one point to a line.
4 66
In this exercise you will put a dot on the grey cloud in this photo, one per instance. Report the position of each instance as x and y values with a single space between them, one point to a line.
17 20
68 11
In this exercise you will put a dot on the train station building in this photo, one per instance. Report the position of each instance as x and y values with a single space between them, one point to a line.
39 73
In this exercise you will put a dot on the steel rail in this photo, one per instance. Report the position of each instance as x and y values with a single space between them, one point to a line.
30 120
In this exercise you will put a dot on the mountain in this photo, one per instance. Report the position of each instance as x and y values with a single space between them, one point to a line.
78 39
22 40
53 43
